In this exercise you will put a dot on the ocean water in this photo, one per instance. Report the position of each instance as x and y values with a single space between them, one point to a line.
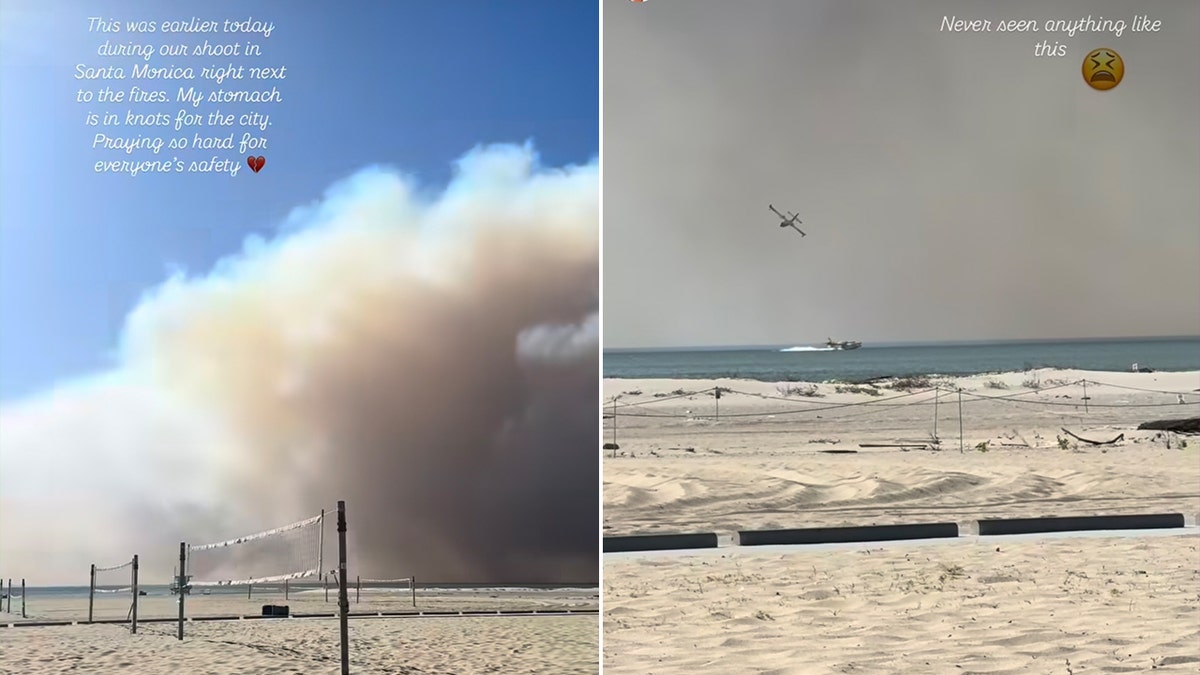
164 590
806 363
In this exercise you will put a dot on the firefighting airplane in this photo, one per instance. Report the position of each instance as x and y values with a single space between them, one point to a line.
789 220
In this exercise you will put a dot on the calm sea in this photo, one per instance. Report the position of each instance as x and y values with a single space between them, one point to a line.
817 364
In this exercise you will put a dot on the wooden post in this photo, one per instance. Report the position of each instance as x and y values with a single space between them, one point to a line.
23 600
614 418
343 602
133 626
285 589
717 402
249 590
412 583
1085 396
321 554
357 589
181 583
91 592
937 393
960 423
325 583
10 595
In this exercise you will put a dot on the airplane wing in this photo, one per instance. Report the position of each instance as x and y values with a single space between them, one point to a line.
769 206
798 230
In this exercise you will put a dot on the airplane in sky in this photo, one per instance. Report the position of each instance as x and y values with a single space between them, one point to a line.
789 220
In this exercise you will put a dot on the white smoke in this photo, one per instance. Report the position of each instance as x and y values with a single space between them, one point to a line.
374 351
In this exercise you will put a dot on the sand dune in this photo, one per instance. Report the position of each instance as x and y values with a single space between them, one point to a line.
761 463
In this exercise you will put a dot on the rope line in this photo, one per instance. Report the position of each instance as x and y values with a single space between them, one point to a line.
128 563
884 403
259 580
260 535
658 399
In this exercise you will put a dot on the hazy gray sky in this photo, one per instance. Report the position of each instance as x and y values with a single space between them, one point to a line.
953 186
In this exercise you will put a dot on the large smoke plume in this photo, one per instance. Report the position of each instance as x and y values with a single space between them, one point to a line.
432 360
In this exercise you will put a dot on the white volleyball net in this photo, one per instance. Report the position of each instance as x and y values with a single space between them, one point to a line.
385 588
279 555
114 591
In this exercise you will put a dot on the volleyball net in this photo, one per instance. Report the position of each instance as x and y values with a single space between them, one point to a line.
274 556
388 586
113 582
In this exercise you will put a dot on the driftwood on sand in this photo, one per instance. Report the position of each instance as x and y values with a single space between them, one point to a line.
1190 425
1077 437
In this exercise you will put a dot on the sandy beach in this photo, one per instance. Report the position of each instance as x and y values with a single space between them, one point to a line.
304 646
162 605
1069 606
431 644
762 461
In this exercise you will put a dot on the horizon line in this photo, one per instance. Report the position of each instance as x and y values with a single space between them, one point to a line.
908 343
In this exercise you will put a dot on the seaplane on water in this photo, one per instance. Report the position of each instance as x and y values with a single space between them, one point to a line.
846 345
789 220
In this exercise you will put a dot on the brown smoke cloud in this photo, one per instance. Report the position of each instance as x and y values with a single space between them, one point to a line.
433 362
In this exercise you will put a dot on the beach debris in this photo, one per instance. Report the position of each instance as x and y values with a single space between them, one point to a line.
805 390
839 452
903 446
1118 439
1190 425
611 446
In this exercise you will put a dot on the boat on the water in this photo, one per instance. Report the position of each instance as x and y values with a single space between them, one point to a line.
845 345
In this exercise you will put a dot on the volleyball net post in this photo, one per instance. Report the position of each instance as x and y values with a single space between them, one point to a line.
91 592
343 601
181 584
133 608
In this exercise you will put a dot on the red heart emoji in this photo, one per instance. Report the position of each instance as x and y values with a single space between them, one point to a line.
256 163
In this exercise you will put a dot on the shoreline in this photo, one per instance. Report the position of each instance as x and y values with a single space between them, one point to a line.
1170 381
910 375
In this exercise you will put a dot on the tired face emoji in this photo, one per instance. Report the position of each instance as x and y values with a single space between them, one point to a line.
1103 69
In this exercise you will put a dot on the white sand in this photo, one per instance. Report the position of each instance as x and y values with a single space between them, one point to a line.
1058 606
696 473
311 646
759 466
542 644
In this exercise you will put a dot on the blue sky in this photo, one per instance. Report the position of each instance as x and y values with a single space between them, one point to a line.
402 83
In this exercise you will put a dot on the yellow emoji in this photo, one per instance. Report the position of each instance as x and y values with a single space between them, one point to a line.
1103 69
